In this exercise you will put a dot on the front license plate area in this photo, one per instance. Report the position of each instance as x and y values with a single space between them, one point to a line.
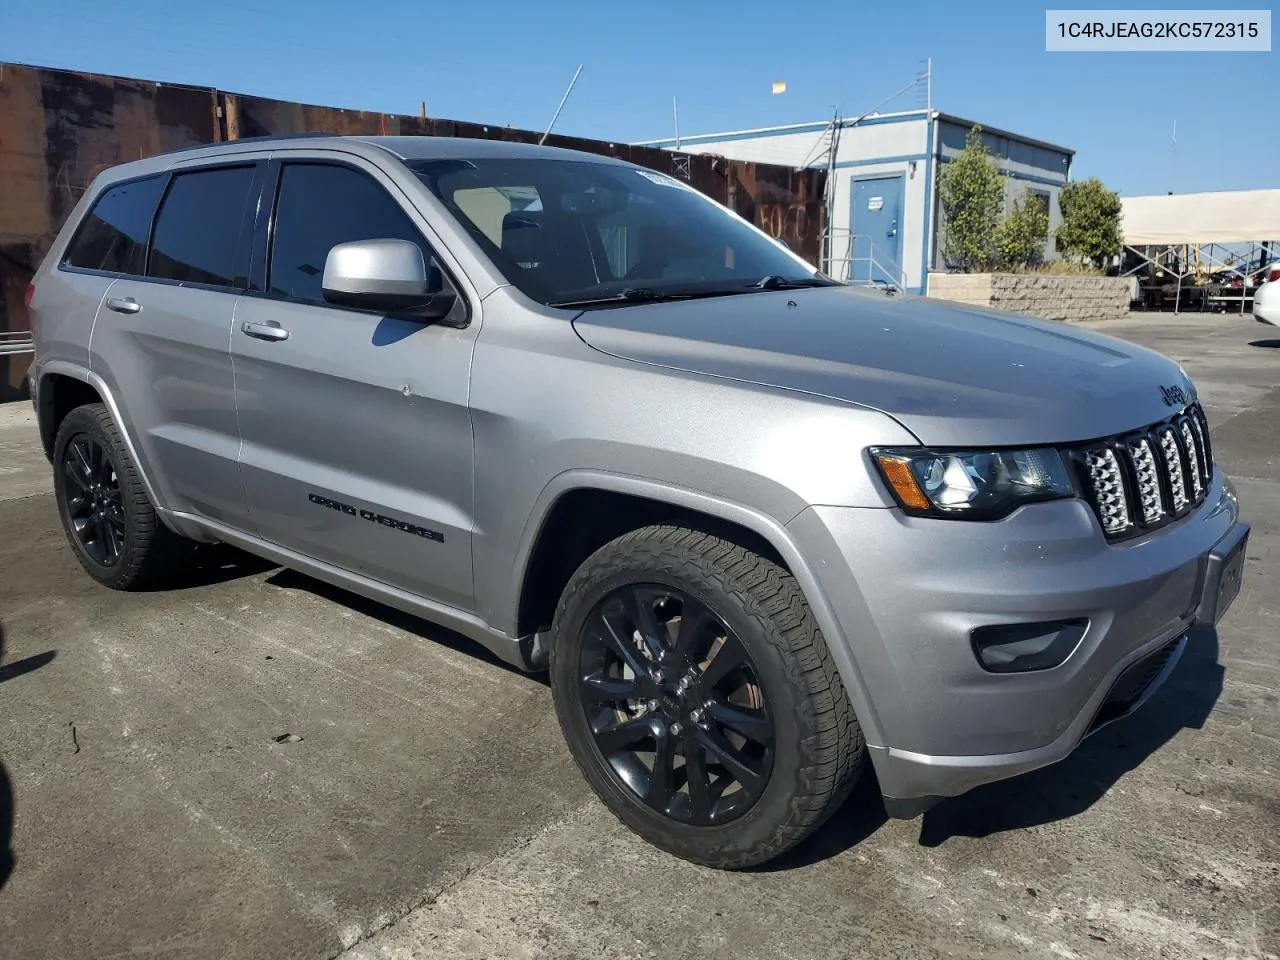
1230 581
1224 577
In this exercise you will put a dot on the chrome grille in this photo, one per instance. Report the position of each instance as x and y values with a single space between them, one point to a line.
1150 496
1173 464
1108 491
1193 456
1142 480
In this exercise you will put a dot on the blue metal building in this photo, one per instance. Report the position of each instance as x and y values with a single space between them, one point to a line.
883 213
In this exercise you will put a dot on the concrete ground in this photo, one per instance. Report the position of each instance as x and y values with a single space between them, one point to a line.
425 807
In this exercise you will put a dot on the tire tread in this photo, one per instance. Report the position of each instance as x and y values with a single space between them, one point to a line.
833 745
153 553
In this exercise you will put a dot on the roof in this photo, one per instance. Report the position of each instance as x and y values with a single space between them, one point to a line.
405 148
998 132
1236 216
433 148
813 126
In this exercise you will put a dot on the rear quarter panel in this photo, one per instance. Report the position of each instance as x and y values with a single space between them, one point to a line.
66 301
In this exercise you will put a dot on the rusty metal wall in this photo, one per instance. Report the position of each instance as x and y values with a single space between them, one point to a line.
59 129
788 203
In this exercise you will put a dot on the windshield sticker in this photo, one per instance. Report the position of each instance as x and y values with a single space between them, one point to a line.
661 179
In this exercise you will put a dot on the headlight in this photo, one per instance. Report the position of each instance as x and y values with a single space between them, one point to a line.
985 485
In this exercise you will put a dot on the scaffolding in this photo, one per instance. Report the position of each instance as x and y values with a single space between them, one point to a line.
1207 251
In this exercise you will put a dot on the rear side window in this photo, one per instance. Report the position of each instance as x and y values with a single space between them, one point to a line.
200 234
113 237
322 205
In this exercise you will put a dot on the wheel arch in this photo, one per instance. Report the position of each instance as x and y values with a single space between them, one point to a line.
558 529
63 386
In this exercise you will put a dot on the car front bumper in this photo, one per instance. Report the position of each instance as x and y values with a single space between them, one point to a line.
908 592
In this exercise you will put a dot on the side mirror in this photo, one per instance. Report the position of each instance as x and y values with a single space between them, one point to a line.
390 276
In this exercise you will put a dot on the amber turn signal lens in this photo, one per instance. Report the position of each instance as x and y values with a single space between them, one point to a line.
897 471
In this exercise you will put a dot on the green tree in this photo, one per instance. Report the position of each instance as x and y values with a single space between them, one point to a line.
1021 236
972 193
1090 226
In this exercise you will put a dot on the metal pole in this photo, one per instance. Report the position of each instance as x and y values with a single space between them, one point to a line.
556 116
830 252
675 116
1177 297
1244 283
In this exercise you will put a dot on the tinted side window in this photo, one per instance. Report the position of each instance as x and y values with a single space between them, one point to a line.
199 235
113 236
321 205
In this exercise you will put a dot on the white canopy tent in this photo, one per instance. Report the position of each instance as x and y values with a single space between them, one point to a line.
1238 216
1187 243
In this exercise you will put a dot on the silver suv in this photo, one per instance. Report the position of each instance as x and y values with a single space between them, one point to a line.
760 526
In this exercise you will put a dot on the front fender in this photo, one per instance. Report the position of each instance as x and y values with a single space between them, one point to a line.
770 529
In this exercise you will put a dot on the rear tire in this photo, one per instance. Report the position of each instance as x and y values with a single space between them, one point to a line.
110 522
754 751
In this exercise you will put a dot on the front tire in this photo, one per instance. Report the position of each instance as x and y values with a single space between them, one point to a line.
698 697
109 521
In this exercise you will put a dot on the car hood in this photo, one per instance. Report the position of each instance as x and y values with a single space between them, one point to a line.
951 374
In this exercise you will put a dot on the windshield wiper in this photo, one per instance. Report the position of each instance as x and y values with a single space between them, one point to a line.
644 295
775 282
685 292
627 295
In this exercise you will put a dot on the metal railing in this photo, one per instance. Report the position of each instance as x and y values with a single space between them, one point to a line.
843 261
17 342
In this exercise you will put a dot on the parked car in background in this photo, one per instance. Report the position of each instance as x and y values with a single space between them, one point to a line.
762 528
1251 274
1266 301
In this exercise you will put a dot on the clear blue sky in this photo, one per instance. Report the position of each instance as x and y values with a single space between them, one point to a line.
508 62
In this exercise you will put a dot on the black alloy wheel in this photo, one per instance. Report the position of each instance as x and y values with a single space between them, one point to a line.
698 698
675 704
110 522
95 506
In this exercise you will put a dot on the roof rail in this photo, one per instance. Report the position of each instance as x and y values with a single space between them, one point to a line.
260 139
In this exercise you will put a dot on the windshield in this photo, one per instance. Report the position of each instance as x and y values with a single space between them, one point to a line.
578 233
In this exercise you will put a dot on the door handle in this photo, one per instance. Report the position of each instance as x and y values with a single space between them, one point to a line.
268 330
893 229
123 305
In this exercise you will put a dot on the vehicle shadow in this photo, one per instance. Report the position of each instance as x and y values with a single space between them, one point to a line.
430 632
1042 796
214 563
861 815
1071 786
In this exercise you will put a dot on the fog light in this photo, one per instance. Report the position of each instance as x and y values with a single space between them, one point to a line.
1020 647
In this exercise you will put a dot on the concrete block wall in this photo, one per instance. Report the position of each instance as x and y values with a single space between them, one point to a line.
1069 299
970 288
